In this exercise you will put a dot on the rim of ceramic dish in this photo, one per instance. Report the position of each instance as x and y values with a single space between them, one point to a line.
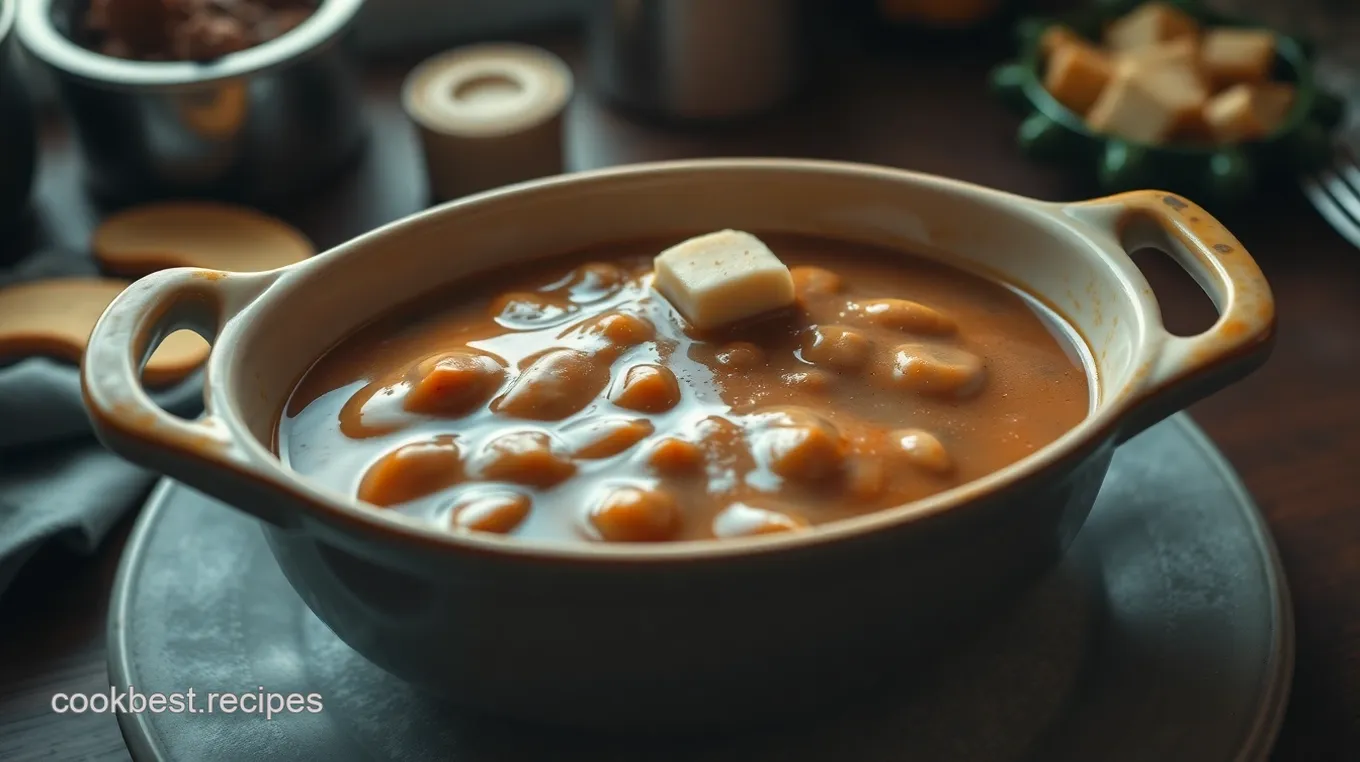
1257 739
47 43
339 512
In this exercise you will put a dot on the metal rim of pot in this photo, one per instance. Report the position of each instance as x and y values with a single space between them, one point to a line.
41 37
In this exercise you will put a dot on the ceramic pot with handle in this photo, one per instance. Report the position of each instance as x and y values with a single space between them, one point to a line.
686 633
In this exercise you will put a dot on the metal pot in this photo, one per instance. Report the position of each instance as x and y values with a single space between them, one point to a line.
698 59
259 125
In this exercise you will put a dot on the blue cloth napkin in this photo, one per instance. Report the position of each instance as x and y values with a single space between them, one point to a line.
57 483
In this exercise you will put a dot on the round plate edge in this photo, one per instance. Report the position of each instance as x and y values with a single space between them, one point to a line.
1256 746
137 735
1275 694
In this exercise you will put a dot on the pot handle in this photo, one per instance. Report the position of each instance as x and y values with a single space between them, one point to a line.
201 452
1180 370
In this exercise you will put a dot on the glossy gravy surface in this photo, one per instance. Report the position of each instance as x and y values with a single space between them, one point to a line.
572 402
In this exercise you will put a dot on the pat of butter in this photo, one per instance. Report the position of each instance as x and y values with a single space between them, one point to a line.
721 278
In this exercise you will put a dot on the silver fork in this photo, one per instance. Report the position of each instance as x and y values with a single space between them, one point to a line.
1335 192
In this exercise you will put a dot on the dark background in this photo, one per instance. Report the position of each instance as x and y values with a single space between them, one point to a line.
1291 429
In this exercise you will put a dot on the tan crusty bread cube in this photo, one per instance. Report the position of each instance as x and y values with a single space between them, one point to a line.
1182 51
1173 69
1230 56
1149 24
1181 87
1076 75
1057 36
1128 110
1247 112
1149 105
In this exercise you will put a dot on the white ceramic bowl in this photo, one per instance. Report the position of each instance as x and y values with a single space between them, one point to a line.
694 632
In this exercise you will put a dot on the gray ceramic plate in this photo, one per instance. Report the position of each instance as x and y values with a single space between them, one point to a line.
1166 635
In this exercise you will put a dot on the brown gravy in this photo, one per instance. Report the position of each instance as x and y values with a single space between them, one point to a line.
573 403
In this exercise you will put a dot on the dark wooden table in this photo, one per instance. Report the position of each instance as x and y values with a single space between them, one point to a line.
1293 429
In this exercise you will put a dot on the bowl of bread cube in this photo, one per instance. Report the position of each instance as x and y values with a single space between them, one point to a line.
1169 95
